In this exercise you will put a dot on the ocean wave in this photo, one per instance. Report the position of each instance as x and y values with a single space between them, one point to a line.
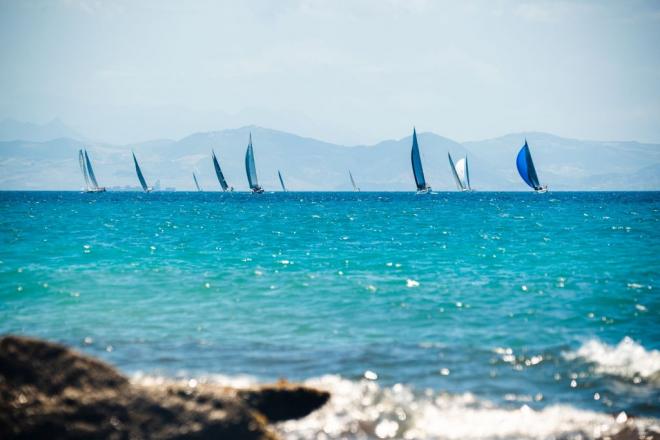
363 409
627 359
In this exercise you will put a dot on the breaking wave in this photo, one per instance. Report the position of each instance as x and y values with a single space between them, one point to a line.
627 359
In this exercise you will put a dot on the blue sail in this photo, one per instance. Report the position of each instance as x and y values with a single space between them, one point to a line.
417 164
90 171
140 176
281 180
196 182
250 167
218 172
526 167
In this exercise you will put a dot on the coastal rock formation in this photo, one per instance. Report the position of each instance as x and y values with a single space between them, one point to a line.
50 391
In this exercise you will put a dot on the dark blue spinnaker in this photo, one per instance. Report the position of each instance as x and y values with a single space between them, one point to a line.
526 168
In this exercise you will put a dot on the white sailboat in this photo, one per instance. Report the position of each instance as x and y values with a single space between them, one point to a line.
461 173
91 185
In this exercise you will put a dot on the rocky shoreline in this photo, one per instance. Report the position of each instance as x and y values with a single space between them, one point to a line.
50 391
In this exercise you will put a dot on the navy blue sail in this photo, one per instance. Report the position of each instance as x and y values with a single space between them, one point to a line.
218 173
416 160
143 182
526 168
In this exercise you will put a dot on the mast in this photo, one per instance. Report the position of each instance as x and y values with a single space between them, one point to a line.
416 160
218 173
83 168
90 171
281 180
196 183
143 182
526 168
454 173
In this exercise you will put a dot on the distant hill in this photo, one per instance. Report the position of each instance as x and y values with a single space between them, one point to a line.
312 165
10 130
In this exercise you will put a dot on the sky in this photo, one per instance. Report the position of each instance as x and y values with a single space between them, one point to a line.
344 71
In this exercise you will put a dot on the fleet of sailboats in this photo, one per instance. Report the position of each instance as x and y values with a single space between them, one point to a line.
459 170
418 171
143 183
461 173
527 171
91 185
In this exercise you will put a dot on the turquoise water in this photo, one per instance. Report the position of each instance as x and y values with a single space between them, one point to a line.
512 298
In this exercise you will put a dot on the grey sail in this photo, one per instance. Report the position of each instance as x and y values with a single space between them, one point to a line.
83 168
196 182
218 173
281 180
251 169
355 187
467 174
90 171
416 160
143 182
457 180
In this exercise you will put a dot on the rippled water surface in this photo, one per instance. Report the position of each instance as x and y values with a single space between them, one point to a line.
508 298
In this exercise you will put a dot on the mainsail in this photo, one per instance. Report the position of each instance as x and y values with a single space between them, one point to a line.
83 168
90 172
526 168
281 180
463 173
454 173
218 172
143 182
355 187
416 160
251 169
196 182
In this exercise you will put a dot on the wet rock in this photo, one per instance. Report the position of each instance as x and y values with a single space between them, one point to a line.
50 391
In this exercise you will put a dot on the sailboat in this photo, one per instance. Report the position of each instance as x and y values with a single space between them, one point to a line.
418 171
461 173
527 171
251 169
88 173
196 183
281 180
355 187
143 182
218 172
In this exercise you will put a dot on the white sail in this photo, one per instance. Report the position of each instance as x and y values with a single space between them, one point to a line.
462 172
454 173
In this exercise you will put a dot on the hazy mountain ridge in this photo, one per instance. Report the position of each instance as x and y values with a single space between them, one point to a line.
311 164
11 129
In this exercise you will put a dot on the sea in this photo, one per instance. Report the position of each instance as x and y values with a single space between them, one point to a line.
452 315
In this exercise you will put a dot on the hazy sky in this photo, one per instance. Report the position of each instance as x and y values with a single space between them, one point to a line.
354 71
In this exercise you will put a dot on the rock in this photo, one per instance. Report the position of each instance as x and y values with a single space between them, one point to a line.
50 391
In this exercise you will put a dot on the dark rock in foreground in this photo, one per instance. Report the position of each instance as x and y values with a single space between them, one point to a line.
50 391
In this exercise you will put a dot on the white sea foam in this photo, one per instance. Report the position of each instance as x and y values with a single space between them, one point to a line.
364 410
627 359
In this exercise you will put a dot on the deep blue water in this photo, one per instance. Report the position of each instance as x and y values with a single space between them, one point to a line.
513 297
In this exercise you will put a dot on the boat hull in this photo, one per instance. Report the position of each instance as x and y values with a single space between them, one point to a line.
426 190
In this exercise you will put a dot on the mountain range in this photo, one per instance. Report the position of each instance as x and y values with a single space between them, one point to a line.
31 161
